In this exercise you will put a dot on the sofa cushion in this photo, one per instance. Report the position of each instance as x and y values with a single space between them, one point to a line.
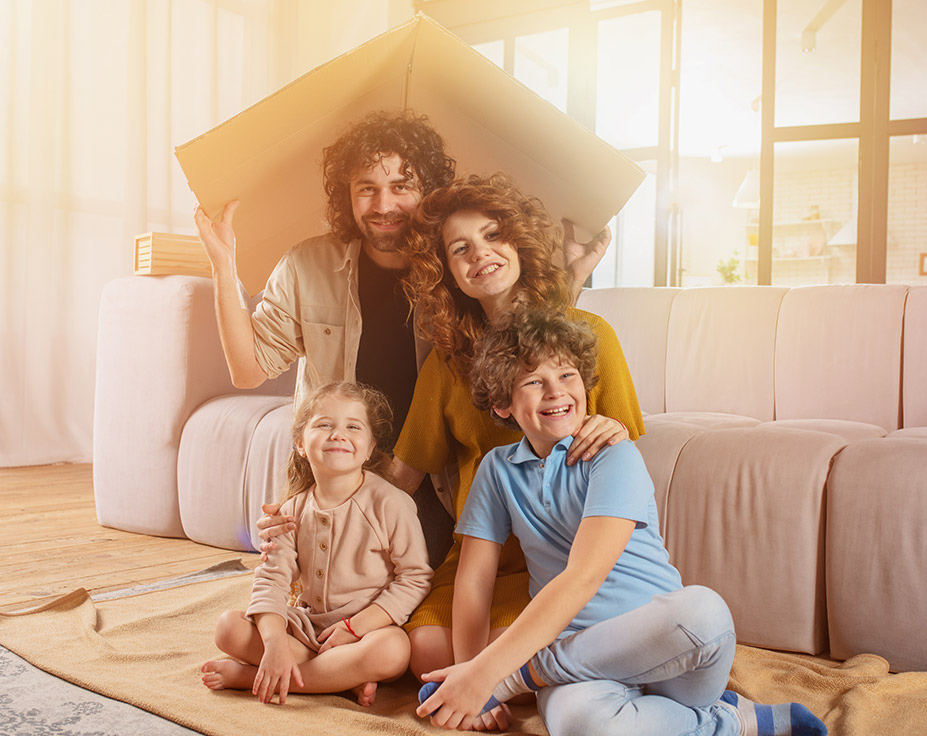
745 516
838 353
665 437
876 551
640 317
847 430
720 350
231 454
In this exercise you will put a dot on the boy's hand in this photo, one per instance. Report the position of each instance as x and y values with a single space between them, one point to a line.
593 434
272 525
458 702
497 719
277 667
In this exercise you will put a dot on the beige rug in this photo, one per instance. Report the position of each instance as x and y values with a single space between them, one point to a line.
146 650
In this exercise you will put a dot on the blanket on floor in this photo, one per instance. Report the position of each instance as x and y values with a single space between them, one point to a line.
147 650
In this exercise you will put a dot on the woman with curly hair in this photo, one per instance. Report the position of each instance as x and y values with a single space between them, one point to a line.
479 248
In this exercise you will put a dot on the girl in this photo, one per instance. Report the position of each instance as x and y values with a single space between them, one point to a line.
357 552
633 652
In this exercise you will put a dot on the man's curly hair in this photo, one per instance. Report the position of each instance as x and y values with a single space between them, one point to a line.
521 342
405 134
447 317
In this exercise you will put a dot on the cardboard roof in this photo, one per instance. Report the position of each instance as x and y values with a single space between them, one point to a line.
269 156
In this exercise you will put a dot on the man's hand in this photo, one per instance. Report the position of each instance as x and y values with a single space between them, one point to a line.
217 236
272 525
580 259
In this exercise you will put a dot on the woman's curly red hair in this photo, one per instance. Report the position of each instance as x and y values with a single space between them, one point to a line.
447 317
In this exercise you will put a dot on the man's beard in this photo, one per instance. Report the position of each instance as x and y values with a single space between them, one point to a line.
385 242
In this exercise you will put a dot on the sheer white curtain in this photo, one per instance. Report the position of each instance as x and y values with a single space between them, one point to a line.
94 96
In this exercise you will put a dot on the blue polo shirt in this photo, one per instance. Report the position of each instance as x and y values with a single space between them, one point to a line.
542 502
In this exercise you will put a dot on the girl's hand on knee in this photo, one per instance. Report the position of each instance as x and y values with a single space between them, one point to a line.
336 635
593 434
277 667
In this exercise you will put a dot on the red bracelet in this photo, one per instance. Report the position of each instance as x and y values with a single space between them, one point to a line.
347 623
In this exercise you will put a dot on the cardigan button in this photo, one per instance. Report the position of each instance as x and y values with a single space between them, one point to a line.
319 573
323 546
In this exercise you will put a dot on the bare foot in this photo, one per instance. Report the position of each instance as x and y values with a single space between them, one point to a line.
366 693
219 674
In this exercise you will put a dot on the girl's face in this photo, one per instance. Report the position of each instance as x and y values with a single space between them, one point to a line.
337 439
484 266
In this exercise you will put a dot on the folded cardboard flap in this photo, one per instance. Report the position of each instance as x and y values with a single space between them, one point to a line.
269 155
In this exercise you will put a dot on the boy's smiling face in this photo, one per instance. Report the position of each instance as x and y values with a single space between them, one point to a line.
549 403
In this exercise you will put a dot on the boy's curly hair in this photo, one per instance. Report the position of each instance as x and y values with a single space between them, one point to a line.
521 342
447 317
299 475
362 145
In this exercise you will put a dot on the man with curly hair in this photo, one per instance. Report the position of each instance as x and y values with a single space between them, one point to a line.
325 289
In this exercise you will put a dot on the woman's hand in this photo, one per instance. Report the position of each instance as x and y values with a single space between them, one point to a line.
277 666
593 434
580 259
335 636
457 703
272 525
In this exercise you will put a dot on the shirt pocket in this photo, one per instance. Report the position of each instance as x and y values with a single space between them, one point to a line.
323 341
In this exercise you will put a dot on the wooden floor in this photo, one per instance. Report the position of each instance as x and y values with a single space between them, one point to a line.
51 543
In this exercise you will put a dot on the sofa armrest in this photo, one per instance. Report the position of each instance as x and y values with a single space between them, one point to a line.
158 358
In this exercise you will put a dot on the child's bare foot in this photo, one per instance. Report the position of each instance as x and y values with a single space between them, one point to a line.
219 674
366 693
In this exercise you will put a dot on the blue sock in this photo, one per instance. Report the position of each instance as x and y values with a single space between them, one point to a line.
520 681
784 719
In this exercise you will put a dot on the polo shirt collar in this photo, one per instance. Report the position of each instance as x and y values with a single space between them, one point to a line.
523 452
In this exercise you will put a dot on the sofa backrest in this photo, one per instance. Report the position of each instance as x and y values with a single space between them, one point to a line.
838 353
720 350
852 352
640 318
914 381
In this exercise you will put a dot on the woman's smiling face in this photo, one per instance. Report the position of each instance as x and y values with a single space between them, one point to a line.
484 266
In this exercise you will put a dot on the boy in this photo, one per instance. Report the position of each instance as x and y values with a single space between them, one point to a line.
612 642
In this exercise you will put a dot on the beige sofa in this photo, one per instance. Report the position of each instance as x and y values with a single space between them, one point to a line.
786 437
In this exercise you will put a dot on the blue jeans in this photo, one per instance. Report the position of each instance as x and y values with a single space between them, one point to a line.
658 669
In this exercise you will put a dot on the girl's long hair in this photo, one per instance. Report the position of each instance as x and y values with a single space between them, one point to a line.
299 476
452 321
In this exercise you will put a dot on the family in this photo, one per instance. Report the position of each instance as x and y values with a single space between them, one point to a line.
436 328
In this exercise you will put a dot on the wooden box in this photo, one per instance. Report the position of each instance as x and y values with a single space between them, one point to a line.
163 253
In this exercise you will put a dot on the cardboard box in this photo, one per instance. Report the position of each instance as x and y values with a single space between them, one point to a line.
163 253
269 156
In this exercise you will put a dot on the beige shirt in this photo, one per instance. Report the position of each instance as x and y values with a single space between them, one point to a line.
370 549
311 312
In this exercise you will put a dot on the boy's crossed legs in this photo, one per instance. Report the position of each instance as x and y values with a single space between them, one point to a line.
382 654
660 669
